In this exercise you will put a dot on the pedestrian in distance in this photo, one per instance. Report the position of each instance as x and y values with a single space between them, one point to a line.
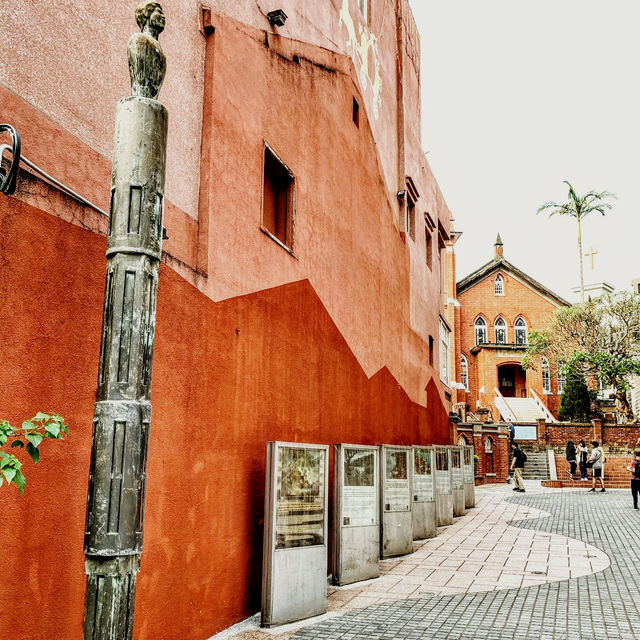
517 466
583 453
596 462
634 467
571 458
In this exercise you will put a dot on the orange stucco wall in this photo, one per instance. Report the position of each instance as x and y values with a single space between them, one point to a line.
327 345
228 377
519 300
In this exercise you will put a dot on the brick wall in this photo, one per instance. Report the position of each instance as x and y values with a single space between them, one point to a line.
493 461
560 434
518 300
615 467
615 436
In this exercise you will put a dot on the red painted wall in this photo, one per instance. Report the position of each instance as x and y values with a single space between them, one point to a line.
253 344
228 377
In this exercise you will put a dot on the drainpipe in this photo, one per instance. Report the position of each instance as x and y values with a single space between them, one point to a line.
115 509
402 217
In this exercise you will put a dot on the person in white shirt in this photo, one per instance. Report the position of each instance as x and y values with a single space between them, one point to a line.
596 462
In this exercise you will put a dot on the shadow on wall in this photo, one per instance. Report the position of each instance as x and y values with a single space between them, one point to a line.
228 377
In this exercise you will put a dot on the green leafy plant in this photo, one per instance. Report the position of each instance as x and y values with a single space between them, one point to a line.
598 339
29 436
576 401
579 207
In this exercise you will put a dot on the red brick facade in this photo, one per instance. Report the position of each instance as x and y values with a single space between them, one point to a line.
491 445
615 435
519 300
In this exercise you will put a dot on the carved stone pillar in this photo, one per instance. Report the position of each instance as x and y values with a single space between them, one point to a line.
115 509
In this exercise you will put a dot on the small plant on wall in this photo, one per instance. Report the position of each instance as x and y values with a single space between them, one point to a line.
29 436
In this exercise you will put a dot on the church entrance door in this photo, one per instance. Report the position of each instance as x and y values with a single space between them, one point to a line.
512 381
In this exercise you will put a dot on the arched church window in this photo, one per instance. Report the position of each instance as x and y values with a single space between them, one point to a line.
462 440
464 371
498 284
501 331
546 376
521 331
481 330
562 378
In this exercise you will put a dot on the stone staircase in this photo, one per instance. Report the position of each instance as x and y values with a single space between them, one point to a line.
524 409
537 466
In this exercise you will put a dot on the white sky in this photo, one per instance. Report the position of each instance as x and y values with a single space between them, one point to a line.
516 98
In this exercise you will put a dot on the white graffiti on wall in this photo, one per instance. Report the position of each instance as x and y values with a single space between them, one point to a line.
365 48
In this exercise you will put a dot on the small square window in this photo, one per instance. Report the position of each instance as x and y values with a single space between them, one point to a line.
278 199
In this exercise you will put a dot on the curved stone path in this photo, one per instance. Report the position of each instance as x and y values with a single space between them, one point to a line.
603 605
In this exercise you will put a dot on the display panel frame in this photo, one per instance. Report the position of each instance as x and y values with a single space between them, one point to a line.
423 491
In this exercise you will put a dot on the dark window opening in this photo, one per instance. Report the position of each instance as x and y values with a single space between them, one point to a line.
428 247
431 350
278 198
356 113
411 217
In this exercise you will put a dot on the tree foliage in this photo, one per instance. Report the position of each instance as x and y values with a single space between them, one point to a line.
29 436
598 340
576 402
579 207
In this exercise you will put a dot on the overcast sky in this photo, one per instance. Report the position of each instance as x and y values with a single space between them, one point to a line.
518 97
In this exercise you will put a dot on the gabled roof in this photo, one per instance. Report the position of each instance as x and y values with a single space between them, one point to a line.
500 264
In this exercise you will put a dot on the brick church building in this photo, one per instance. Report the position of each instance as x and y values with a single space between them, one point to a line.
498 304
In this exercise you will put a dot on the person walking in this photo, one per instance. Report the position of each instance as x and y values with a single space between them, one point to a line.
582 454
517 466
635 477
571 458
596 462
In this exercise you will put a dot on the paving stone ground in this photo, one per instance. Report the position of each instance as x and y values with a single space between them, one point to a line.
604 605
548 564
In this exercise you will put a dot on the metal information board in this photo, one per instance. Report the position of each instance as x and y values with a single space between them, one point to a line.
457 485
294 564
424 497
444 501
468 476
356 533
396 535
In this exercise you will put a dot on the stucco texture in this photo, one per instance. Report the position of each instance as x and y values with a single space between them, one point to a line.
228 377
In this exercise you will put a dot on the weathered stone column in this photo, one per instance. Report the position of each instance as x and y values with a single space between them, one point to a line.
115 510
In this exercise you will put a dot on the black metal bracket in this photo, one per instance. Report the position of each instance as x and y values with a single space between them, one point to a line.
8 176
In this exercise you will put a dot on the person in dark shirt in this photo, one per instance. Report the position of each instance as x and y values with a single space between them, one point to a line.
517 466
571 458
635 477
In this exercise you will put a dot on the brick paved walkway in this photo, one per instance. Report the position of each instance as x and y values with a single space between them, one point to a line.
529 567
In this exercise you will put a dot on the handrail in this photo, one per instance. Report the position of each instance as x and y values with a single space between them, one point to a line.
503 407
17 158
547 414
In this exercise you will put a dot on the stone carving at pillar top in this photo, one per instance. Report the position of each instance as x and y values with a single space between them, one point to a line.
147 62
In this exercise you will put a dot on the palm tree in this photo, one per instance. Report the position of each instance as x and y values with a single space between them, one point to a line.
579 208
